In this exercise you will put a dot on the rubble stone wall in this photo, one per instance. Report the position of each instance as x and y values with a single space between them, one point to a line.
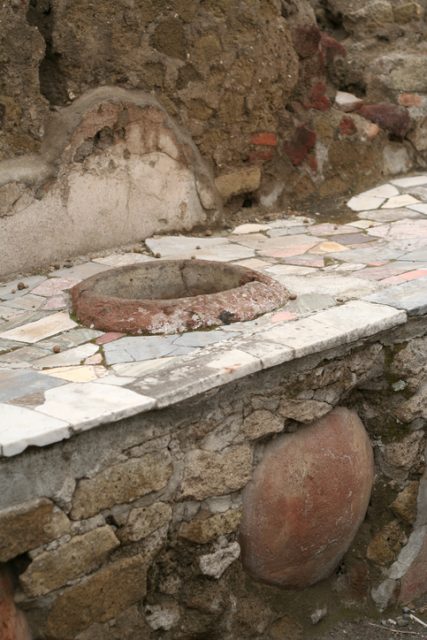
135 529
254 83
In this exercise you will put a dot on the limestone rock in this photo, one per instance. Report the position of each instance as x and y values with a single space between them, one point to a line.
386 544
215 564
237 182
262 423
144 520
98 598
121 483
405 504
347 101
28 526
307 499
205 528
209 473
53 569
403 454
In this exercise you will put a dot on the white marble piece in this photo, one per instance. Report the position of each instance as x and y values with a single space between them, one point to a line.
390 215
269 353
232 360
347 101
123 259
384 191
9 313
79 272
399 201
224 253
140 369
291 221
21 427
110 378
366 203
56 303
333 285
90 404
254 263
420 208
40 329
136 349
24 354
250 228
70 357
363 224
181 246
83 373
413 181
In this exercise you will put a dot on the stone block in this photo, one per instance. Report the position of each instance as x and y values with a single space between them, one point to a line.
215 564
306 501
386 544
237 182
53 569
101 597
121 483
28 526
208 473
144 520
404 506
205 527
262 423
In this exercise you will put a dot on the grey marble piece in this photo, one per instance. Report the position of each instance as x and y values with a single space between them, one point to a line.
410 296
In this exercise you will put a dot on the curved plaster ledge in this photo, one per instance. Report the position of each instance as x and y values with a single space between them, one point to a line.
114 168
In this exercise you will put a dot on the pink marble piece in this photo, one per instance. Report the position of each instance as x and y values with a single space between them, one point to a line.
405 277
54 286
55 303
283 316
109 337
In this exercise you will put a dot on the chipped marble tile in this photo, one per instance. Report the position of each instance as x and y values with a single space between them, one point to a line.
249 228
138 369
288 246
413 181
27 303
309 302
40 329
95 359
280 271
8 313
72 338
386 271
21 427
79 272
8 345
399 201
336 326
135 349
409 296
18 382
419 208
365 203
270 354
308 260
123 259
254 263
6 288
83 373
56 303
70 357
90 404
181 246
54 286
291 221
384 191
331 285
109 337
377 253
390 215
362 224
420 255
328 247
24 354
285 231
224 253
199 339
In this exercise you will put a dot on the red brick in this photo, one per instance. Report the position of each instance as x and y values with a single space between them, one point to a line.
331 48
391 117
306 39
298 148
317 98
265 138
306 501
347 126
261 156
410 100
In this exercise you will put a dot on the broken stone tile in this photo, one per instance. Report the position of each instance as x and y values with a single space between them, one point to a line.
131 349
377 253
123 259
109 337
399 201
249 228
83 373
384 191
9 313
18 382
7 288
387 271
110 378
287 246
280 271
362 224
70 339
21 427
43 328
56 303
409 296
181 246
413 181
87 405
365 203
199 339
331 285
24 354
95 359
309 302
138 369
269 353
390 215
405 277
328 247
27 302
70 357
224 253
54 286
8 345
420 208
419 255
79 272
254 263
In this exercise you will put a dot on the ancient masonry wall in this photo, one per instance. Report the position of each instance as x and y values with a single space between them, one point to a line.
150 527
